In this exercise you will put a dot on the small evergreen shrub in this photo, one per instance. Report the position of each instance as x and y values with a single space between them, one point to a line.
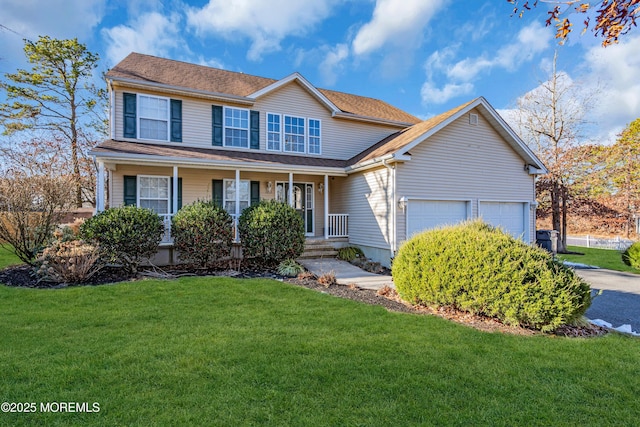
202 233
477 268
68 262
126 235
290 268
350 253
272 231
631 256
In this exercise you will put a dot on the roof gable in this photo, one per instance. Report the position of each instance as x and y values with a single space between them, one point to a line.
137 68
400 143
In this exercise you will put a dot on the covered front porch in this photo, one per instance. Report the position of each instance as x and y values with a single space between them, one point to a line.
166 188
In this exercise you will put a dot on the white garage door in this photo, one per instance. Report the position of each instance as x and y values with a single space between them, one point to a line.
425 214
511 216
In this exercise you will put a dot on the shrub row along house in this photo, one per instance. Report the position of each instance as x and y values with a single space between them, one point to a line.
357 169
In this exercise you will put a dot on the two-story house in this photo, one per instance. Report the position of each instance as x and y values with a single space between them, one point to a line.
356 168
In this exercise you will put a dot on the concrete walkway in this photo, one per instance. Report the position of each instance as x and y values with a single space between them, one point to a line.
346 273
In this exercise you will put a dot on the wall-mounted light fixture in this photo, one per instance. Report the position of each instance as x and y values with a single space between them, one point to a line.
402 203
321 187
269 187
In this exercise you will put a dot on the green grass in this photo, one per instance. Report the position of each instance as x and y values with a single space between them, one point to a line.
603 258
7 257
220 351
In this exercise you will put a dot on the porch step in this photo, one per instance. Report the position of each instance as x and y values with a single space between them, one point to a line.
318 248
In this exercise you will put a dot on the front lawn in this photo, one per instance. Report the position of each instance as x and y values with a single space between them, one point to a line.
603 258
220 351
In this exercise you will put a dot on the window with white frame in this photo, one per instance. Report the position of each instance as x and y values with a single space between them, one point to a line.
314 136
154 193
230 195
294 134
153 117
273 132
236 127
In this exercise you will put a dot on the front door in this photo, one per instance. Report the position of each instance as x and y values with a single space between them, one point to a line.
302 201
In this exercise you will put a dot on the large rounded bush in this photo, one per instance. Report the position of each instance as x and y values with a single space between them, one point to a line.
478 268
631 256
126 235
272 231
202 233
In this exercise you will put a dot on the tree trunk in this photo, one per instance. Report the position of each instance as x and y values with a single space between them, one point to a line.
562 247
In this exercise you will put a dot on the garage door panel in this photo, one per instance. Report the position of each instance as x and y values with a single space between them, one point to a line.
427 214
510 216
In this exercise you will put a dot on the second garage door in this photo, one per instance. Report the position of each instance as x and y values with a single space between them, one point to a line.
426 214
511 216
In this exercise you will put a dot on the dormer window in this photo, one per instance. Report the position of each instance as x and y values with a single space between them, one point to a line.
293 134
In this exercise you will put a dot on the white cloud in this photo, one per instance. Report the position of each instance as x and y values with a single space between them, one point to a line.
430 93
615 69
531 40
395 22
266 24
60 19
151 33
332 63
460 75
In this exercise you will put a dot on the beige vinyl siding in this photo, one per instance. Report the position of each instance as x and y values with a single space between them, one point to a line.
365 197
465 162
197 185
340 138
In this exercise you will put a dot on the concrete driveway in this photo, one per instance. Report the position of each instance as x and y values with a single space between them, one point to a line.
619 303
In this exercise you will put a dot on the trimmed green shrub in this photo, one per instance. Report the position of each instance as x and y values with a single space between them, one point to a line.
350 253
480 269
289 268
271 231
126 235
202 233
631 256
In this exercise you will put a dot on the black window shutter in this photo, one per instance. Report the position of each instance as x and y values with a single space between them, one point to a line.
255 130
179 193
129 115
255 192
130 190
216 116
217 192
176 120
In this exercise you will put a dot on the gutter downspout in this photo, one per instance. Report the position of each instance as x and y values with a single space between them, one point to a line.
392 240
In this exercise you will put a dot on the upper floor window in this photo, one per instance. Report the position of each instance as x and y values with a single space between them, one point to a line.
294 131
293 134
236 127
314 136
153 116
273 132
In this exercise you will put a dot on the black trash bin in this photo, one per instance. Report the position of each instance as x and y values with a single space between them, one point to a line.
548 239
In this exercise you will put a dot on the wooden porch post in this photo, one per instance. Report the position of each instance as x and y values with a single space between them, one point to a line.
326 206
291 189
174 196
237 203
100 188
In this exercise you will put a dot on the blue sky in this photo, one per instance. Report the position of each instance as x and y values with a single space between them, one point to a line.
424 56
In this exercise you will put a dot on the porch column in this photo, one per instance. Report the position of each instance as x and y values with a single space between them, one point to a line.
326 206
100 188
174 196
291 189
237 204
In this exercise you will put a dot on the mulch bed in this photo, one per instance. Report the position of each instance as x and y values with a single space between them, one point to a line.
23 276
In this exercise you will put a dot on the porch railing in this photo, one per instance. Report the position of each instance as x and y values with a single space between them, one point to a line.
338 225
